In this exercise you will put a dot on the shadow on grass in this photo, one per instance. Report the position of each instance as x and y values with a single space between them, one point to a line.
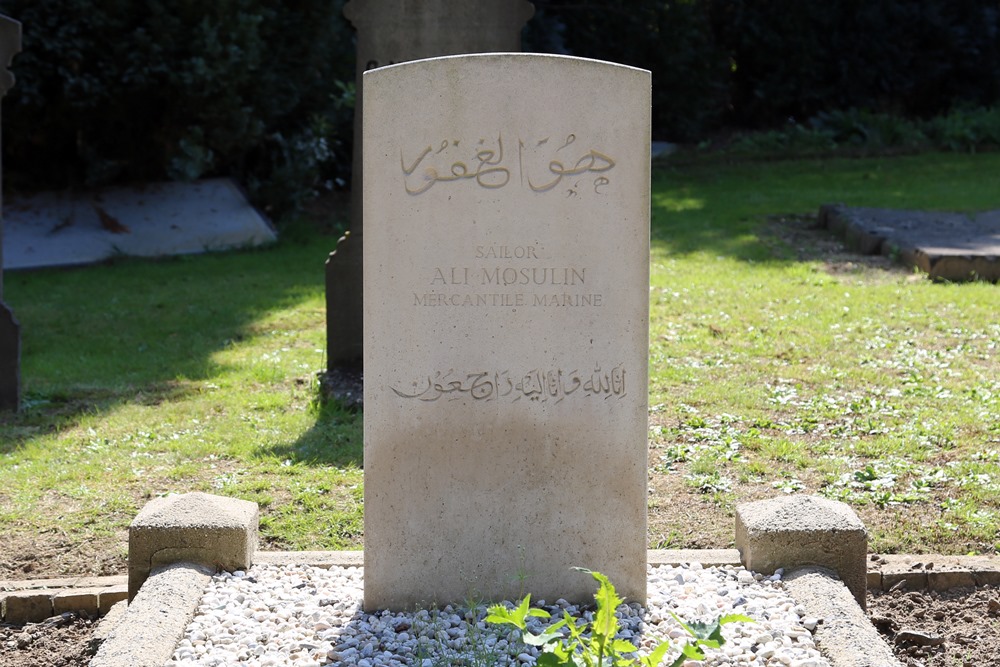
142 331
99 337
335 439
61 408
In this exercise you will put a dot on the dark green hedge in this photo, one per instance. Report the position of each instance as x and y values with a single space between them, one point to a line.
759 63
911 57
119 90
672 39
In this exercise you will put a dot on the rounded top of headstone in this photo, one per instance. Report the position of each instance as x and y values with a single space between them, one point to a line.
523 65
799 512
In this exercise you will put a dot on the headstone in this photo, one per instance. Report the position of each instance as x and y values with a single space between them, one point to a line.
10 331
388 32
506 324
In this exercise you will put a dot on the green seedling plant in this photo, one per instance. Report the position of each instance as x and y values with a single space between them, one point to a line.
595 644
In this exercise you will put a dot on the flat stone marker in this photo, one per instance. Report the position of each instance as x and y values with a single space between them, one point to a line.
155 220
944 245
506 276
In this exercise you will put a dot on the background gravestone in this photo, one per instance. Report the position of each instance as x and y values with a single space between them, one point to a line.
388 32
10 331
506 328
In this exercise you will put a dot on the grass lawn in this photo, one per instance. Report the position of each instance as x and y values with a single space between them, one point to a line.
778 363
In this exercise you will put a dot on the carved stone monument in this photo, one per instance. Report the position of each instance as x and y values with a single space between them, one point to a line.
506 298
388 32
10 331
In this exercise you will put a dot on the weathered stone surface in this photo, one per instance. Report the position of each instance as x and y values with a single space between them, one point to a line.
946 580
390 32
506 326
932 571
79 600
846 636
154 622
798 530
109 597
909 581
945 245
27 606
197 527
110 618
344 306
987 578
72 228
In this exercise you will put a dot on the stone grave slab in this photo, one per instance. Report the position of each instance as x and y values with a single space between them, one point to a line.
506 280
159 219
943 244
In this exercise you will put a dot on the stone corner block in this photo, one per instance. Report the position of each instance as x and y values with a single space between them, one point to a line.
799 530
196 527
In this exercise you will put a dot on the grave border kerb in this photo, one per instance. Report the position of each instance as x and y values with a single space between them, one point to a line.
884 572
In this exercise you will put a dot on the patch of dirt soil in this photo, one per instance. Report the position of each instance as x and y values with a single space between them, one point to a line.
48 556
63 640
956 628
803 236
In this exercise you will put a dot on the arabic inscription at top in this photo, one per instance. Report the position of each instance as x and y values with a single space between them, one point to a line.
540 164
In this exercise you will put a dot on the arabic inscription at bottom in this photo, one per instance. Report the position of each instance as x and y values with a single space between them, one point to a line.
537 384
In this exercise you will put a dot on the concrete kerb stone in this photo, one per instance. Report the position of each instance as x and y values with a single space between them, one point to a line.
845 636
109 623
32 600
934 572
800 530
201 528
154 622
27 606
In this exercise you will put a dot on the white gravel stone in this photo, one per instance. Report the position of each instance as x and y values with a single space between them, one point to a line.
301 616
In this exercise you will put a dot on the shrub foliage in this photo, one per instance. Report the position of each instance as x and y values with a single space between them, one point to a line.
262 90
760 63
116 90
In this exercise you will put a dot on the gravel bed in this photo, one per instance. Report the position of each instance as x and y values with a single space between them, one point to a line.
307 616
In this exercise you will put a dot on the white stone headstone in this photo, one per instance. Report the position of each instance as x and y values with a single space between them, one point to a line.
506 287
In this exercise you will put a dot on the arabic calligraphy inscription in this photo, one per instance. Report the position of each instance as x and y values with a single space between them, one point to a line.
538 165
535 385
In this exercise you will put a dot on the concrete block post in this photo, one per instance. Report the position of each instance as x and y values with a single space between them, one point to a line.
10 330
795 531
194 527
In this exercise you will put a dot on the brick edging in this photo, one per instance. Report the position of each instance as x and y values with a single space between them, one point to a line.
34 600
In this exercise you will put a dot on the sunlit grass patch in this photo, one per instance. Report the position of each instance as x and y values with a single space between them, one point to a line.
770 374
